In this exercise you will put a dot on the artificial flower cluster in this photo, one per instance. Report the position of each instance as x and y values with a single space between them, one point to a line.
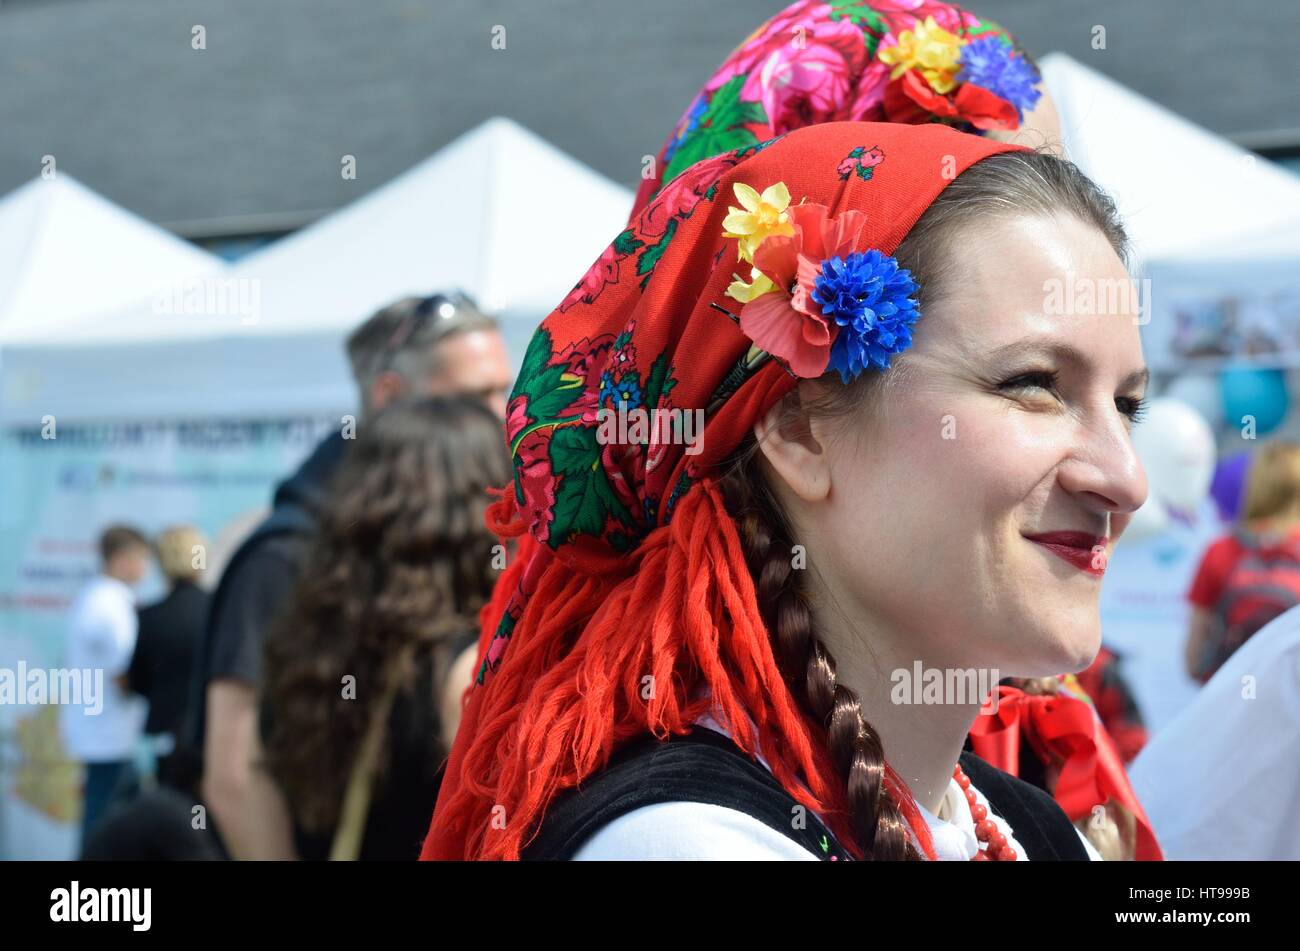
812 300
982 80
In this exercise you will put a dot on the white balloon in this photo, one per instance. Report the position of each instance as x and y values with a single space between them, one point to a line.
1147 522
1203 392
1176 446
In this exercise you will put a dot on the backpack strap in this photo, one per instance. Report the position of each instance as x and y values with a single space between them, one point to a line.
702 766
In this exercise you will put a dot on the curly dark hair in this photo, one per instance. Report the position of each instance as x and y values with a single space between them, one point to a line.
398 570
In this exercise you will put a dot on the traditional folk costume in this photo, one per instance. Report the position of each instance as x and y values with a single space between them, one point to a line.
625 666
915 62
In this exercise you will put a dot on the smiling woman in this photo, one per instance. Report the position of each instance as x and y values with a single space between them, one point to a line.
960 507
1000 427
905 458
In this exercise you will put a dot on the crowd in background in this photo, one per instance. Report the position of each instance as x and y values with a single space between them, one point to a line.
307 704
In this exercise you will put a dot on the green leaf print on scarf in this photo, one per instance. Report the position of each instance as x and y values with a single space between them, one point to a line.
584 497
860 14
721 128
548 389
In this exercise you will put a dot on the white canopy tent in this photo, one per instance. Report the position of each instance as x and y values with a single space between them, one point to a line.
67 254
499 213
1184 192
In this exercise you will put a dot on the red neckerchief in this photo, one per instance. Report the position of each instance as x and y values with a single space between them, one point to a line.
1063 727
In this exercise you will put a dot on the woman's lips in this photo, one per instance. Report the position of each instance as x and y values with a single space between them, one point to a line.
1086 552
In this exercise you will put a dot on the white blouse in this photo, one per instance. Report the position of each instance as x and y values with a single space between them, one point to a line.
700 831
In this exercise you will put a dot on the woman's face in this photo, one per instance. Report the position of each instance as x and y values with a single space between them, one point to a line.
1011 422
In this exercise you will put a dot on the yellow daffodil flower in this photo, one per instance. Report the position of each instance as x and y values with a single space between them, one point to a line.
929 48
759 283
762 216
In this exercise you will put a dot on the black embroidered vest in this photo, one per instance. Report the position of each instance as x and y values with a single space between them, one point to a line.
705 766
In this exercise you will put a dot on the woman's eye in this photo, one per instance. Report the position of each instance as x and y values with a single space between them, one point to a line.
1134 407
1042 380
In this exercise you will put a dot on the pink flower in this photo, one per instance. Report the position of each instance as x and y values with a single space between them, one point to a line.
906 14
536 483
869 95
788 323
585 359
624 465
495 651
775 33
604 271
516 417
680 196
801 84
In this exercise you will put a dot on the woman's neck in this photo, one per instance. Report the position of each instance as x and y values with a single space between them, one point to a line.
922 739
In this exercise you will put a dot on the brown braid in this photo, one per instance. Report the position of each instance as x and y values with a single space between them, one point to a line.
809 667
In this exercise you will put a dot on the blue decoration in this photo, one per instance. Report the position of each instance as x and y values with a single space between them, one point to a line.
992 64
869 297
693 115
1260 394
626 391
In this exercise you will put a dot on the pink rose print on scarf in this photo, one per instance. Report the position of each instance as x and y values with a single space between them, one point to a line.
776 33
604 271
536 483
800 84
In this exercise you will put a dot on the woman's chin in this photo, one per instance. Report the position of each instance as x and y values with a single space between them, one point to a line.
1057 655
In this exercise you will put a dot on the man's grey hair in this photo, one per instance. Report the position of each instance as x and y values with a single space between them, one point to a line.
403 337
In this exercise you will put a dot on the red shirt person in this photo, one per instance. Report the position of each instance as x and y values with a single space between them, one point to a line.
1248 577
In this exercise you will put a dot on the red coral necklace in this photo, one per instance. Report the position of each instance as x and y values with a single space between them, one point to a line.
986 830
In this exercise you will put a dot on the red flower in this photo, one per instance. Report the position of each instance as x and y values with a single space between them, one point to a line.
536 482
792 327
909 99
680 196
585 359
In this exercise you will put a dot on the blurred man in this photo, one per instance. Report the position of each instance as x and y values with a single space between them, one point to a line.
103 733
417 346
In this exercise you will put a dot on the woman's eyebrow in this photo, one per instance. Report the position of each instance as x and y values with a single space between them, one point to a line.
1062 353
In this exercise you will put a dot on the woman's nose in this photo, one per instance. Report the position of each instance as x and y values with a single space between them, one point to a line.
1103 469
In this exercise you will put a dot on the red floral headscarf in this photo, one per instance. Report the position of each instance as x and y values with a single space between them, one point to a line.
912 61
908 61
629 570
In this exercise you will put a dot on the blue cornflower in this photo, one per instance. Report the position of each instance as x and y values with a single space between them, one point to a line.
627 391
869 297
992 64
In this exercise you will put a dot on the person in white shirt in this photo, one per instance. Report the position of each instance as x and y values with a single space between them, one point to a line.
1222 780
102 731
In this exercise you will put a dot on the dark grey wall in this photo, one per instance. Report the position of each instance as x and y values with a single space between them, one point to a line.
248 134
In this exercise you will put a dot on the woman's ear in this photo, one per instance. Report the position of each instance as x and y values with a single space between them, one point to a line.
793 448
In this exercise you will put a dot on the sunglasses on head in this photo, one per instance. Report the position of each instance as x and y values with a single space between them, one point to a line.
438 307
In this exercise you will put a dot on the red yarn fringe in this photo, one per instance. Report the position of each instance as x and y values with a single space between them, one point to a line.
596 660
